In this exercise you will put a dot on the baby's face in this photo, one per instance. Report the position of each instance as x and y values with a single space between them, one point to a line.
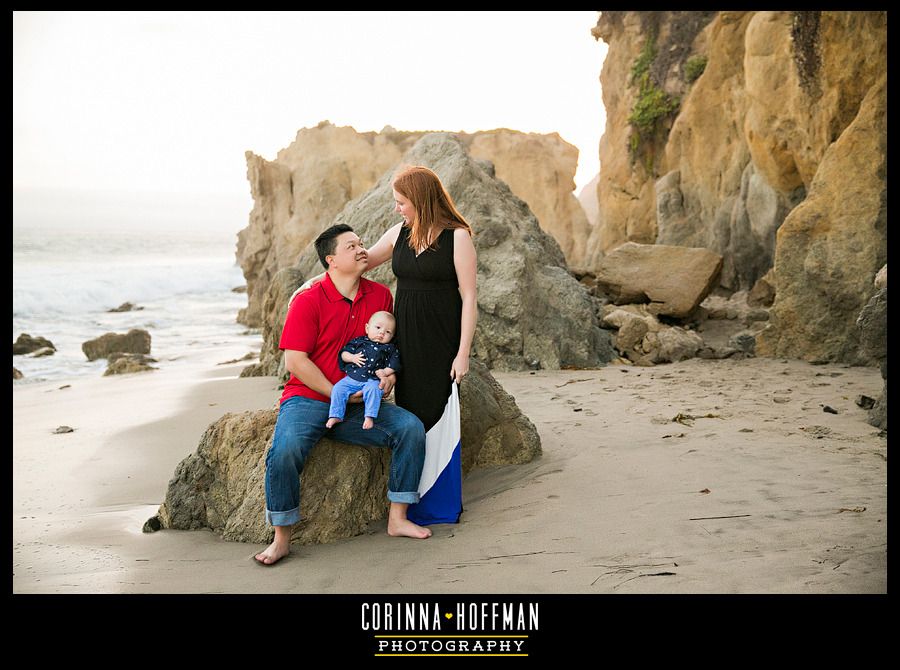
380 329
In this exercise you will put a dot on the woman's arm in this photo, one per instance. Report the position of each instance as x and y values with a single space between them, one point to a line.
304 286
383 248
312 280
378 254
464 262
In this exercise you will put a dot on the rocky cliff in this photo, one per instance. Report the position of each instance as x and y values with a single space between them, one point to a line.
297 195
540 169
760 136
531 312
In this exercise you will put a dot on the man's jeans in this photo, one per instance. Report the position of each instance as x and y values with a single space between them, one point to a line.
301 422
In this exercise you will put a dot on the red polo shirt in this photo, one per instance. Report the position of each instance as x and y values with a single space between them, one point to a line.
321 321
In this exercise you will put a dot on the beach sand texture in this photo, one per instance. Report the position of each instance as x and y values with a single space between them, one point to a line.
761 492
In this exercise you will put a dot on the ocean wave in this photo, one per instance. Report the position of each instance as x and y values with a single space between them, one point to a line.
46 289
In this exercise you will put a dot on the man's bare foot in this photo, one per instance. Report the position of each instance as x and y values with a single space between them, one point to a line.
274 552
406 528
368 423
333 420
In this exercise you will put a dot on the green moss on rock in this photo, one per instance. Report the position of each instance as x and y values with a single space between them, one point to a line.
694 67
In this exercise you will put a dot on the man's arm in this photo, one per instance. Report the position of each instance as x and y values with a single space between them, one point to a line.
299 364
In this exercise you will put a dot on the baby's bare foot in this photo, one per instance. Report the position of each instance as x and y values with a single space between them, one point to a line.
368 423
406 528
333 420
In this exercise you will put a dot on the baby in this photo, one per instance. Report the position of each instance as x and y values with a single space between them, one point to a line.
365 360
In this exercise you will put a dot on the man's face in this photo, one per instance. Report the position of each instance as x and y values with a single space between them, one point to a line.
380 329
350 256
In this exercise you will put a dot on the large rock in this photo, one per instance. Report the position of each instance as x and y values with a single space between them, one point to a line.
872 325
274 310
832 245
344 487
590 203
26 344
784 87
494 430
744 229
806 75
540 169
698 198
135 341
126 307
531 312
673 280
643 340
222 485
627 199
729 325
297 195
121 364
763 292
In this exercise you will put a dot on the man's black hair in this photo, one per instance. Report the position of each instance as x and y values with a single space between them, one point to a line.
326 243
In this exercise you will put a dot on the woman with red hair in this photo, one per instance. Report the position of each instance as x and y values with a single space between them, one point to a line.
433 257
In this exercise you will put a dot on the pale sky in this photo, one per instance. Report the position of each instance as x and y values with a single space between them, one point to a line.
169 101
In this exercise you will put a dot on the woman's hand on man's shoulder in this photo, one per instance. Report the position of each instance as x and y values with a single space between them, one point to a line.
308 284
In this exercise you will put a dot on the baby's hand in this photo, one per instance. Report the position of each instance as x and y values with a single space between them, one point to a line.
359 359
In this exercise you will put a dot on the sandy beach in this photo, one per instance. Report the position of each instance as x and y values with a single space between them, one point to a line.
695 477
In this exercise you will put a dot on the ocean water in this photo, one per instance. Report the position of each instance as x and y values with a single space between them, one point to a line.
66 279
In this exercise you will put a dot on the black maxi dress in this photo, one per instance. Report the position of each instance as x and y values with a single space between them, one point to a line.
428 309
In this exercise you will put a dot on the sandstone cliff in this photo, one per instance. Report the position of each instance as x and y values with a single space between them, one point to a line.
297 195
540 169
760 136
531 312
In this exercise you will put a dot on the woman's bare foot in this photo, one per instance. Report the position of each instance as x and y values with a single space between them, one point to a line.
333 420
280 548
406 528
368 423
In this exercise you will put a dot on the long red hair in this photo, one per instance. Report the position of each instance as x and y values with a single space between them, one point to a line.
434 207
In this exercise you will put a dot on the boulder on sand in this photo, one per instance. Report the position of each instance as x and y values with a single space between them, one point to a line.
135 341
344 487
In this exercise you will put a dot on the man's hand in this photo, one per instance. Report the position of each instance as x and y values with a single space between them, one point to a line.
356 397
387 382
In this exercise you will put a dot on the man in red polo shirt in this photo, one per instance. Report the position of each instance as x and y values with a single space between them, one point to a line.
319 322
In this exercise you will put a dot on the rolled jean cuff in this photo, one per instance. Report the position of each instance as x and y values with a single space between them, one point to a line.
409 497
288 518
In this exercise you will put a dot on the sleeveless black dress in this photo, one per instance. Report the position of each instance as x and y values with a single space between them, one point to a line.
428 309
